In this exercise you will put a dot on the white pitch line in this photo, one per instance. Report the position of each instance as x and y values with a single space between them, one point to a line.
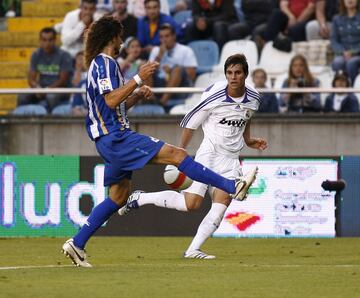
34 267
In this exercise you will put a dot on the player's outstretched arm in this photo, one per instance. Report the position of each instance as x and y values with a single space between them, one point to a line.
255 143
117 96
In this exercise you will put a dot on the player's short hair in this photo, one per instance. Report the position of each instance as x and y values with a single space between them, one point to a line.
147 1
167 26
99 35
47 30
237 59
89 1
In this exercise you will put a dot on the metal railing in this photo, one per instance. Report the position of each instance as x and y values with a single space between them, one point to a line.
178 90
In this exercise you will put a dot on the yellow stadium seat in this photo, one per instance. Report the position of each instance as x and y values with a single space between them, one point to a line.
38 9
16 54
31 24
11 70
21 39
8 101
14 83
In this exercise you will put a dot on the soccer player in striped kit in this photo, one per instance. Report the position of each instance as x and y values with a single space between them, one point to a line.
122 149
225 112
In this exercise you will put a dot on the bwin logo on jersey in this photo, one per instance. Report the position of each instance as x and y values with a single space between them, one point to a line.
236 123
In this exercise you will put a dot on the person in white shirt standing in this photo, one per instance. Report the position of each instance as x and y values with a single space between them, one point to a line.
74 25
224 112
177 62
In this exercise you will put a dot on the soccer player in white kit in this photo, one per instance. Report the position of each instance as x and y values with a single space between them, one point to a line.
225 112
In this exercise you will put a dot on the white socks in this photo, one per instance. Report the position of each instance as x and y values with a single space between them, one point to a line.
166 199
208 225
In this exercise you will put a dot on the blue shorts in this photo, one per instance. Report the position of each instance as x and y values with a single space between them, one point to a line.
124 152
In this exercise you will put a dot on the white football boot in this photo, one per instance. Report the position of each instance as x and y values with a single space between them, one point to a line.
243 184
198 254
77 255
131 203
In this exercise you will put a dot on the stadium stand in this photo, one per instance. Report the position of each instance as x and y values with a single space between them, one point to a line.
246 47
21 38
207 54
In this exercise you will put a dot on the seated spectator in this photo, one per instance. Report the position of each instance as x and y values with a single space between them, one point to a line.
80 69
79 106
320 28
177 64
341 102
50 67
256 14
148 26
268 101
345 38
104 7
289 20
74 25
10 8
128 21
211 19
300 77
137 8
181 5
132 61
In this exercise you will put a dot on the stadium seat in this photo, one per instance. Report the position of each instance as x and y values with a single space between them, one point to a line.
62 110
207 54
325 79
182 17
147 110
246 47
204 80
357 85
274 61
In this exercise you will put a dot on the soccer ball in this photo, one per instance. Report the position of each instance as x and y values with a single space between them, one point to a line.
176 179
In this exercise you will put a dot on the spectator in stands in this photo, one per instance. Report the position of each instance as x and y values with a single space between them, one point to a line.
128 20
181 5
177 64
345 38
256 14
79 106
74 25
300 77
10 8
148 26
50 67
324 11
290 20
104 6
137 7
132 61
341 102
211 19
80 69
268 101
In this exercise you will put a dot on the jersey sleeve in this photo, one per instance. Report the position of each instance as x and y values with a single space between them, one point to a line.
197 115
107 75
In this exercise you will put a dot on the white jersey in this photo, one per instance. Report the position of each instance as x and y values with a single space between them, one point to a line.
223 118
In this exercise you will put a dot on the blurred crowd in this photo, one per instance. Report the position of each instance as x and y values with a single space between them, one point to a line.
165 31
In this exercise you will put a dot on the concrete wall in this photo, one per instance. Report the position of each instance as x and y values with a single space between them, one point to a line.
288 135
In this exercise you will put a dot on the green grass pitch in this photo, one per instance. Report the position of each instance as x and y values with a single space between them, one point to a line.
154 267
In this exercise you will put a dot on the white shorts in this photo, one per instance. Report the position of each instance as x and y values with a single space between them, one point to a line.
228 167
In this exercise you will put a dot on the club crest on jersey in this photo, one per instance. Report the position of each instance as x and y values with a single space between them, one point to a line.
247 114
236 123
105 84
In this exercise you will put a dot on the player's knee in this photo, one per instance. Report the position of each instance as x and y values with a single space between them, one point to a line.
193 205
178 155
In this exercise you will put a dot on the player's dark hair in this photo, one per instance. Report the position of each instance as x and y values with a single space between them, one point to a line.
47 30
99 35
147 1
89 1
167 26
237 59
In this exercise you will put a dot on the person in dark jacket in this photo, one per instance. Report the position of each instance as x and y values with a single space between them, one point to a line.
211 19
341 102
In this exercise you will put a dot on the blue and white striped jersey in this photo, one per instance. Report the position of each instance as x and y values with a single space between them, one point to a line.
223 118
104 76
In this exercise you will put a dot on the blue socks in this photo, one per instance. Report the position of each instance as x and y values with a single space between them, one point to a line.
98 216
198 172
